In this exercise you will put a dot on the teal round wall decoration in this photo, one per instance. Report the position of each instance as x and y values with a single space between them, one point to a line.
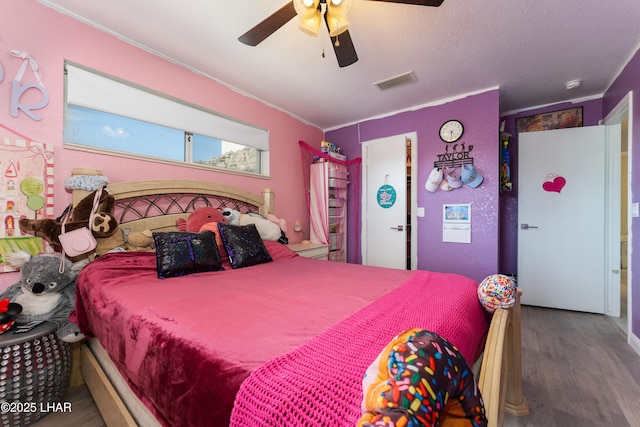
386 196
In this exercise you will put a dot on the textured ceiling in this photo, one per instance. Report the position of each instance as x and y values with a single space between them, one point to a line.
527 48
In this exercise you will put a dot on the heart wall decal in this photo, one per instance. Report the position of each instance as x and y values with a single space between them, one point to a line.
554 183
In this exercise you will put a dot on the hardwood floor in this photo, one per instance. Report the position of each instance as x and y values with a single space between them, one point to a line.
84 412
578 371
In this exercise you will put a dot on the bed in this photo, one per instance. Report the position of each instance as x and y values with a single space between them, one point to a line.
284 342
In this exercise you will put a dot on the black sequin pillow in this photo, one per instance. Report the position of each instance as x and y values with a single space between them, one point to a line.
179 253
243 245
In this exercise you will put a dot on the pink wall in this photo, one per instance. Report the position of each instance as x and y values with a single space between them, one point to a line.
50 38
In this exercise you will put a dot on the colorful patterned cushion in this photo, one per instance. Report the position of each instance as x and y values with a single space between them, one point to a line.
497 291
420 379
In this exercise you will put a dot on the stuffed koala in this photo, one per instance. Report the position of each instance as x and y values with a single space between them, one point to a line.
44 293
104 223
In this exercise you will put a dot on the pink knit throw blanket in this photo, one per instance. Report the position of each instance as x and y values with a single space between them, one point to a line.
320 383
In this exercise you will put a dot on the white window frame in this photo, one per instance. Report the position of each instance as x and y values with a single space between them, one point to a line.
97 91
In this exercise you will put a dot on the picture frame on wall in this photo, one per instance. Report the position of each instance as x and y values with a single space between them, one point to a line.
561 119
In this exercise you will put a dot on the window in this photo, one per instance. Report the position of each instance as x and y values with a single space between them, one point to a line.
107 114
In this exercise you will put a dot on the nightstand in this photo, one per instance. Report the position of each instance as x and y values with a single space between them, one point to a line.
35 367
310 250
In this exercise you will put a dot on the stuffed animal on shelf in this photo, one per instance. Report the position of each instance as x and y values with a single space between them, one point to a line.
200 217
104 223
44 292
268 230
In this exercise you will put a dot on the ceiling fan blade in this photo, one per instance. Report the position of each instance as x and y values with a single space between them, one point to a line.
433 3
343 47
270 25
345 51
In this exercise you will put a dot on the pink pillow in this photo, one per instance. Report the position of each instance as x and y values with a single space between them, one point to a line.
277 250
213 226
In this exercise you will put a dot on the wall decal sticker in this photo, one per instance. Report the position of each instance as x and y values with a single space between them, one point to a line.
554 183
19 88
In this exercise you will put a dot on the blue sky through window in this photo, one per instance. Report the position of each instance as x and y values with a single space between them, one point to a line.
109 131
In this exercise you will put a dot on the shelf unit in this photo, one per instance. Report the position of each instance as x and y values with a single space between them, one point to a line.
328 207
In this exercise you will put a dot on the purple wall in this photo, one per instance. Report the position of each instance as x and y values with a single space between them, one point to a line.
629 80
494 239
480 116
592 113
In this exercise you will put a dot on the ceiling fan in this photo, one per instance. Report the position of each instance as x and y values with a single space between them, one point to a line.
311 13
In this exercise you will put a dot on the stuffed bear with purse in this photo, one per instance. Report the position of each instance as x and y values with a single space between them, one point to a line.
94 213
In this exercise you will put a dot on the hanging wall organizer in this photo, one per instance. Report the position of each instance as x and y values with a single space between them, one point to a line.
26 191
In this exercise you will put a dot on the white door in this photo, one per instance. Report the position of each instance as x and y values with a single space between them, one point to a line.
384 213
561 218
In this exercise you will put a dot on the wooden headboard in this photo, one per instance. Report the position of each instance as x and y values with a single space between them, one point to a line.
156 204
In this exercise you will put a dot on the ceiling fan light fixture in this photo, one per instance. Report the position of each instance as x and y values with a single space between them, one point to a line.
311 26
337 26
306 8
310 17
337 16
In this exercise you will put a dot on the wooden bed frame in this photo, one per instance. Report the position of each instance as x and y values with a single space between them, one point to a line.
156 204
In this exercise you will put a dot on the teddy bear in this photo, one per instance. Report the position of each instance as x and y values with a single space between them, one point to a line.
126 240
114 243
139 241
44 292
104 223
268 229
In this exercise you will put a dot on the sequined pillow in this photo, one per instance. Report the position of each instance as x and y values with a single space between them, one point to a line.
179 253
243 245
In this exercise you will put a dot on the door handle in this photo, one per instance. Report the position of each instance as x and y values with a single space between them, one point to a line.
399 228
527 226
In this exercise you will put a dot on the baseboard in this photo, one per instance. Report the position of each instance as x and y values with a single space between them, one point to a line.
634 342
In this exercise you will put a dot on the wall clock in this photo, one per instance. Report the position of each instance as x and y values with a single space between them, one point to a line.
451 130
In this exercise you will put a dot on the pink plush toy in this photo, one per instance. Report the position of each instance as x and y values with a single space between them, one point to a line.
200 217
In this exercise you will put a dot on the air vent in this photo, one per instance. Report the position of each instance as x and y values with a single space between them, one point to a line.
402 79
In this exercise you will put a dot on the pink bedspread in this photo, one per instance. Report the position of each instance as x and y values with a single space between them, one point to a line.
320 383
186 344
